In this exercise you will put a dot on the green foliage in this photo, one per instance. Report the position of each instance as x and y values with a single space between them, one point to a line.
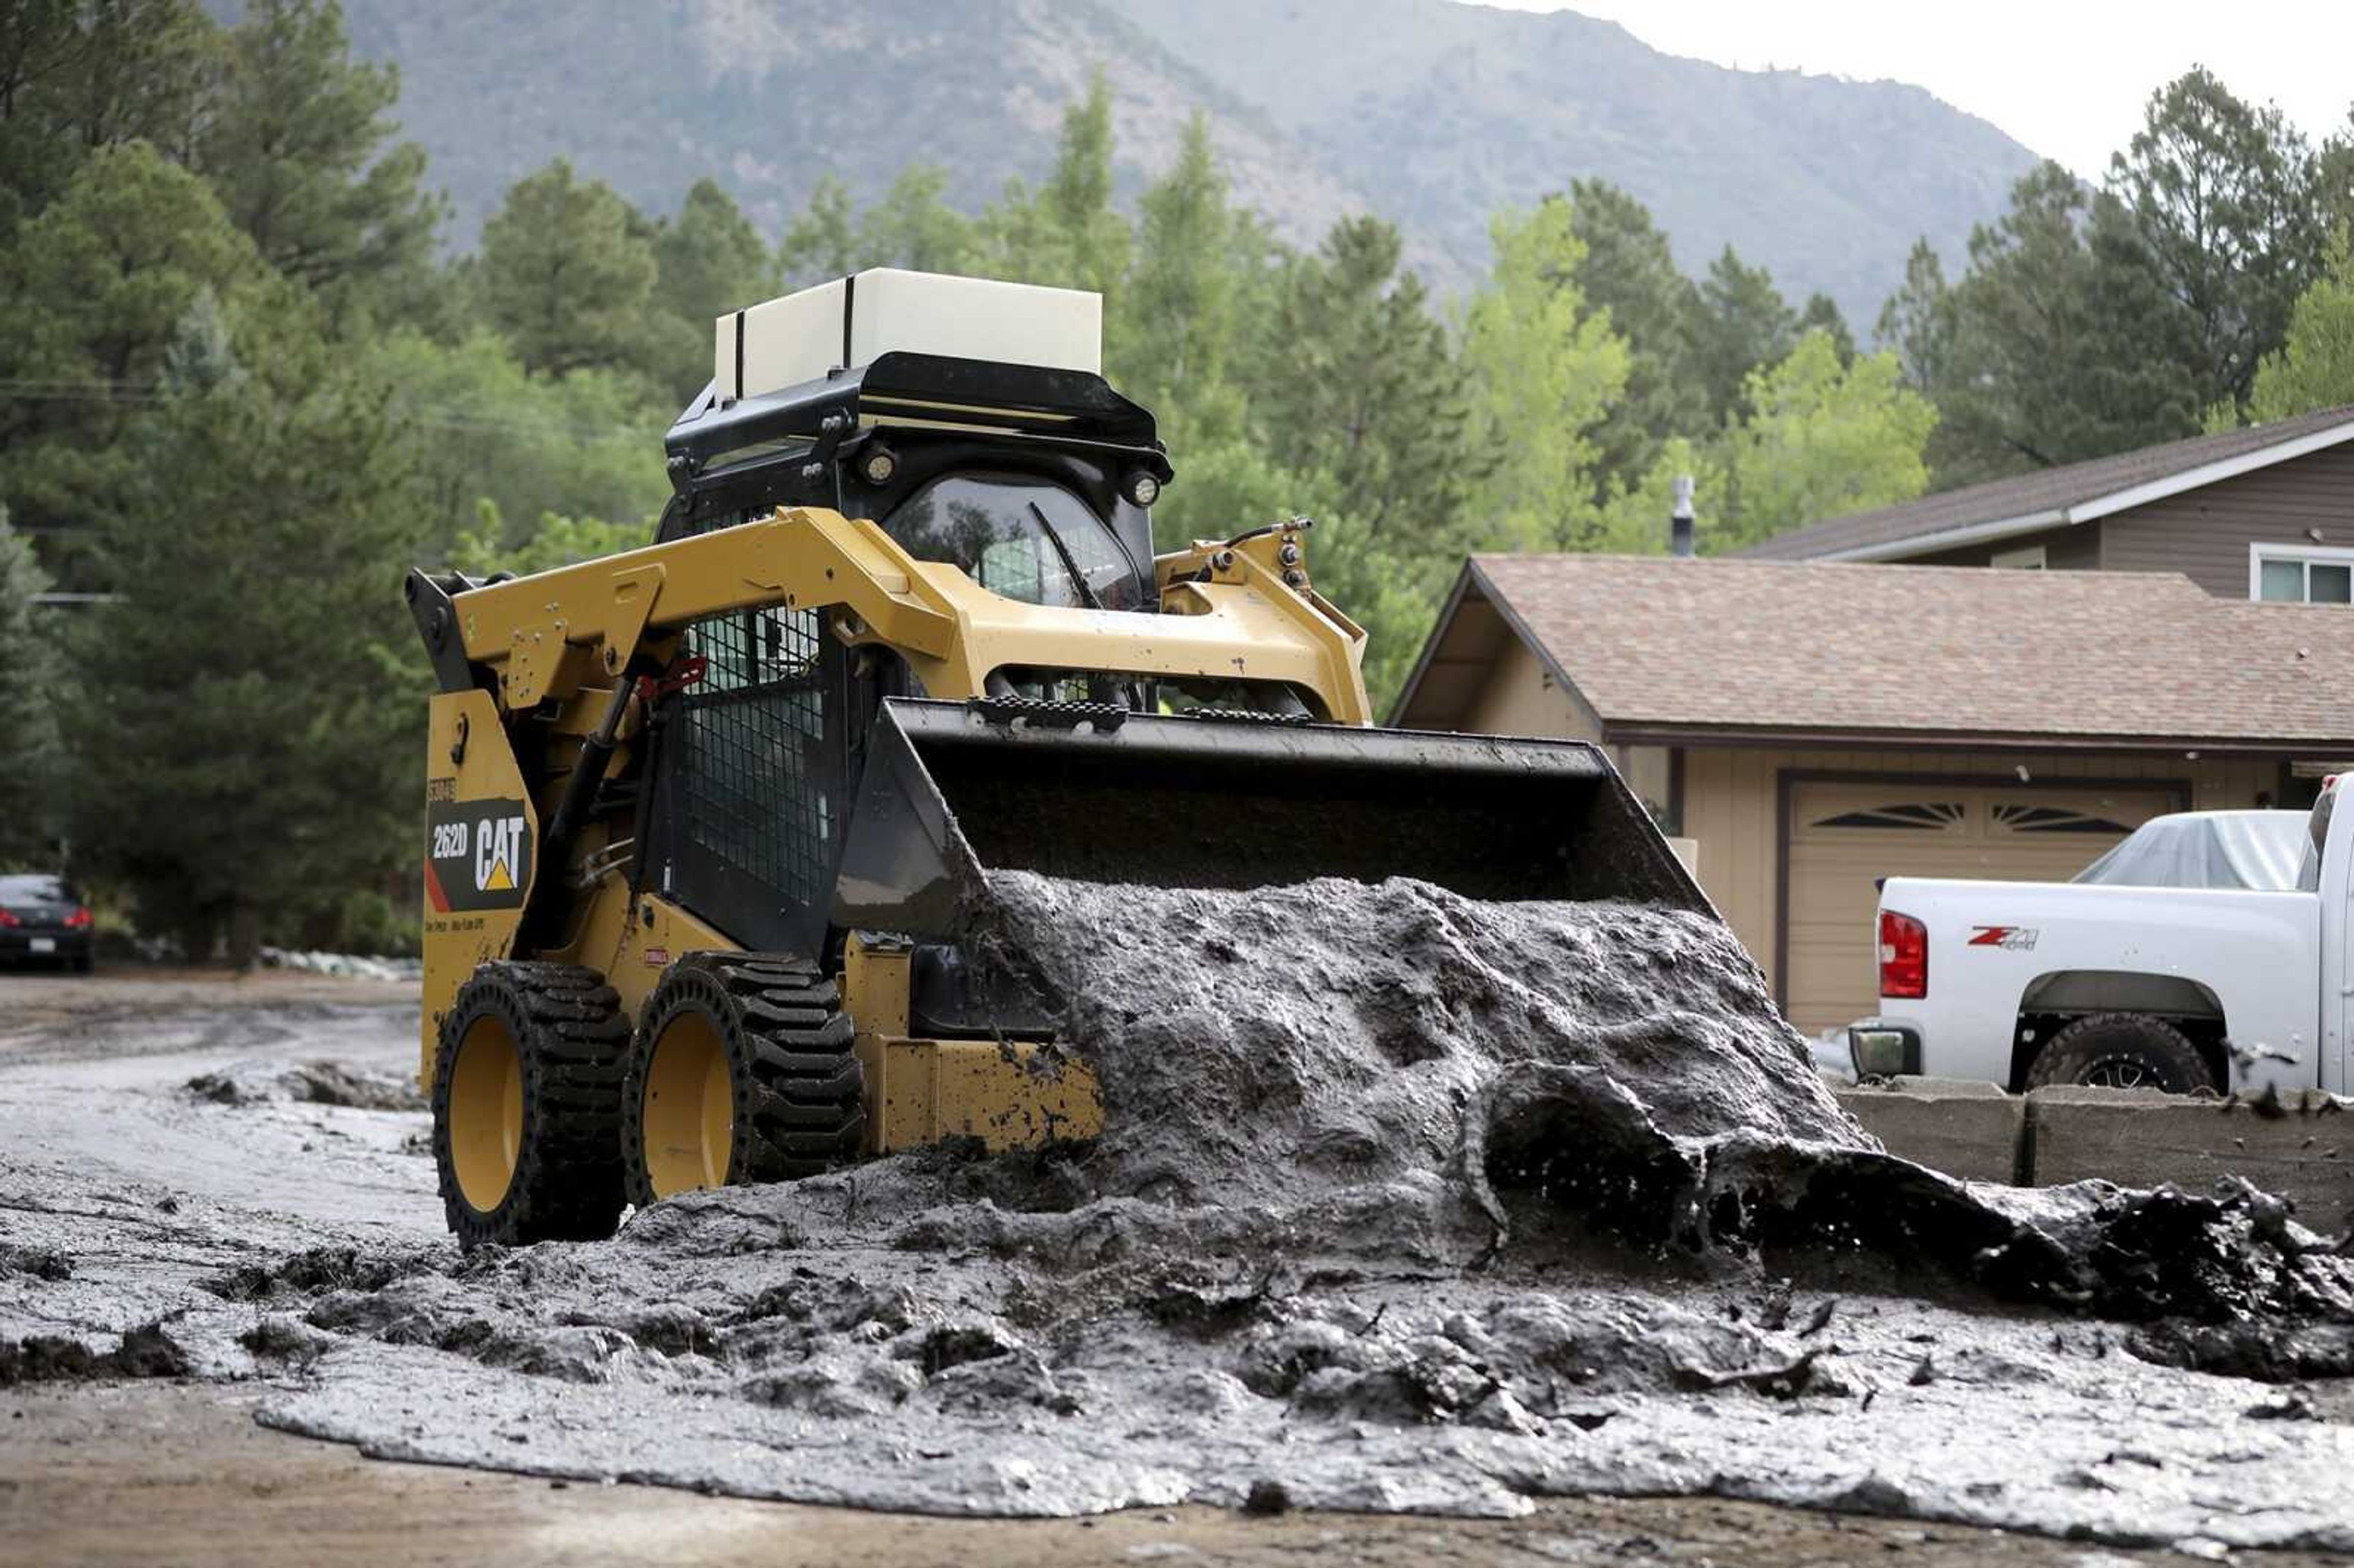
913 227
709 261
295 148
77 77
1356 381
480 430
557 540
1742 323
1917 325
29 679
1628 272
257 671
2313 368
1068 233
233 369
1175 335
822 242
1546 369
1820 440
99 284
2225 201
567 274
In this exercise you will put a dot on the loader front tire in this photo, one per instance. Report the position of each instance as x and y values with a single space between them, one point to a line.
742 1072
527 1106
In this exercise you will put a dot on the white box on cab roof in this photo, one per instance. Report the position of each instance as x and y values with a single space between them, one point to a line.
852 320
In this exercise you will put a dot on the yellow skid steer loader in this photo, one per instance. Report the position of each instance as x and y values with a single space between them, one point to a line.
706 821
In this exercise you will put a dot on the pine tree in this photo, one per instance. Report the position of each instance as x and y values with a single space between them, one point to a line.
709 260
914 226
1629 272
298 147
2063 343
29 816
248 708
77 77
1917 323
1169 346
99 285
822 242
567 273
1743 324
2226 200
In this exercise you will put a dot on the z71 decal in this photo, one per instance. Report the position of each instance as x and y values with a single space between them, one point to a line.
2015 938
477 855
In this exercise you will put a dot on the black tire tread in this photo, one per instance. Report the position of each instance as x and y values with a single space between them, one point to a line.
573 1043
2174 1060
800 1090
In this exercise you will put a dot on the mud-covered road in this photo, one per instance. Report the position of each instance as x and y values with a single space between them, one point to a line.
212 1209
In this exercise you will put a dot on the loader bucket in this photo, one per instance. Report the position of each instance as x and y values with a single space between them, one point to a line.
952 791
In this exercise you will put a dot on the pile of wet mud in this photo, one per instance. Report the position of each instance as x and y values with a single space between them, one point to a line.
312 1082
1405 1203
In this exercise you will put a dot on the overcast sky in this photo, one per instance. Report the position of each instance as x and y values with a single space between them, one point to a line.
2068 78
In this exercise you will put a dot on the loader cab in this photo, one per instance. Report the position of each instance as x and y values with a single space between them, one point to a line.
968 417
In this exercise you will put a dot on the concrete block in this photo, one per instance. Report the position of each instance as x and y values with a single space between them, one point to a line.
1963 1127
2301 1146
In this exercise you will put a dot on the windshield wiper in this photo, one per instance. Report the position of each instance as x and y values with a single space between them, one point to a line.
1062 551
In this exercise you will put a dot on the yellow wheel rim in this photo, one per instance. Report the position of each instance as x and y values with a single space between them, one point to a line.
689 1116
485 1112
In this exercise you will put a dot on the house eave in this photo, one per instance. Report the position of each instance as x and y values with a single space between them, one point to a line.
1806 737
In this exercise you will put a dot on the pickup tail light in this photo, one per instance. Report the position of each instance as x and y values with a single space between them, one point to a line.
1903 957
80 920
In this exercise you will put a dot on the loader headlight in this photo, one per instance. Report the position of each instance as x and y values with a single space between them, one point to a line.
879 466
1143 489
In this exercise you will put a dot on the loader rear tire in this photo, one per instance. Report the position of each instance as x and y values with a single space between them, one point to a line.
527 1106
2122 1050
742 1072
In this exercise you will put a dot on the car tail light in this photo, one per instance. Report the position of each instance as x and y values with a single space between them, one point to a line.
8 920
1903 956
78 920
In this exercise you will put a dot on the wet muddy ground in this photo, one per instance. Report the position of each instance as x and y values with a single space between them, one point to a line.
1481 1241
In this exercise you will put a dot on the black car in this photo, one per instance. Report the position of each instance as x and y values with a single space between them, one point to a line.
43 918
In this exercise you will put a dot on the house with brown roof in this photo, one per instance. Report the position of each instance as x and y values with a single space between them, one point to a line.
2263 513
1816 726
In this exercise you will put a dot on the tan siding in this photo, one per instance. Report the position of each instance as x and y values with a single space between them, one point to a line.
1645 769
2205 532
1520 698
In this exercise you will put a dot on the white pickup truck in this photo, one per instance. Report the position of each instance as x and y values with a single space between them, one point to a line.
2242 978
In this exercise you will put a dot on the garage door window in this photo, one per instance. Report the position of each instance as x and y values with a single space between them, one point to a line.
1921 816
2054 819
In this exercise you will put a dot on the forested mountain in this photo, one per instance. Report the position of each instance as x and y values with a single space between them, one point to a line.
1431 114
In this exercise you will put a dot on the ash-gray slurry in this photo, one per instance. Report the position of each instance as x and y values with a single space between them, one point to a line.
1406 1203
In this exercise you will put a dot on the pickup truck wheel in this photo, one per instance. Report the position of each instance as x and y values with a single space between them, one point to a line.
2122 1051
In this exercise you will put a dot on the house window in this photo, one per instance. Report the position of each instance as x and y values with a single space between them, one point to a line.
2300 574
2027 557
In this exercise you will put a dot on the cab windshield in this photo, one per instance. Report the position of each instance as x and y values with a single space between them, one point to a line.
1024 538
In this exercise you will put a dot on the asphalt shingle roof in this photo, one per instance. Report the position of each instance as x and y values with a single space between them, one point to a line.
1815 646
2029 495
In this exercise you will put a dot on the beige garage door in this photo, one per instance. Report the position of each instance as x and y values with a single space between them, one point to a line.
1845 836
